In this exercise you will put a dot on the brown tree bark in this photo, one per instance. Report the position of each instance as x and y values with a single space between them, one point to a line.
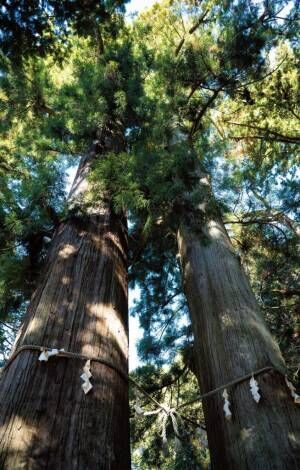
47 422
232 340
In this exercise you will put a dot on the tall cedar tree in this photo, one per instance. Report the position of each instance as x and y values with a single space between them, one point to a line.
80 302
231 338
80 305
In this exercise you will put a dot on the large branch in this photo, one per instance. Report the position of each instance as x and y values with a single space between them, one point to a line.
269 220
202 112
287 292
191 31
268 134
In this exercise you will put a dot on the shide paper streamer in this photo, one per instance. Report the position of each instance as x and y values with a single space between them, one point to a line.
226 408
85 376
254 389
293 391
86 386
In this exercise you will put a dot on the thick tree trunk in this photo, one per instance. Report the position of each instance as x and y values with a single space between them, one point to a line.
231 340
47 422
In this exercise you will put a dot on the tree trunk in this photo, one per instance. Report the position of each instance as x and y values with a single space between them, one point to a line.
47 422
232 340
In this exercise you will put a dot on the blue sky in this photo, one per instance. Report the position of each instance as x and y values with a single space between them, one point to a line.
138 5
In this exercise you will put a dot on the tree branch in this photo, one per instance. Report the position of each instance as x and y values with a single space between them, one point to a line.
202 111
277 136
191 31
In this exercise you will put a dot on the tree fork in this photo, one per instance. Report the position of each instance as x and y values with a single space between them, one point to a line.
80 305
231 340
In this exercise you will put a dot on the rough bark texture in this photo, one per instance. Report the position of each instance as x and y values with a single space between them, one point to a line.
231 340
81 305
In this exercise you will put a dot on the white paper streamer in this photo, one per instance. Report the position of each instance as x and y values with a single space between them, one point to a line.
293 390
46 353
254 389
86 386
226 408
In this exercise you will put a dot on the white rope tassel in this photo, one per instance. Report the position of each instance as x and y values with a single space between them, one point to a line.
226 408
46 353
86 386
293 390
254 389
177 444
163 419
174 414
174 421
164 413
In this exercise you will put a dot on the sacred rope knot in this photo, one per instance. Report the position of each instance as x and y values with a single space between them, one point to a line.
168 410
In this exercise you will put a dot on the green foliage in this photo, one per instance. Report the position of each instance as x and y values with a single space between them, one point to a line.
29 211
265 218
36 28
114 173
